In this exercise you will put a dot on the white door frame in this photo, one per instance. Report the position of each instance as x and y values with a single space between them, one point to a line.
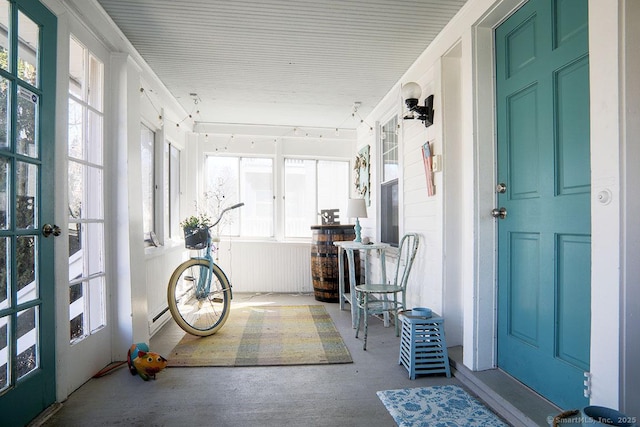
480 293
480 251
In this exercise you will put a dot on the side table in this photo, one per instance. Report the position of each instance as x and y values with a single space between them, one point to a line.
423 348
350 248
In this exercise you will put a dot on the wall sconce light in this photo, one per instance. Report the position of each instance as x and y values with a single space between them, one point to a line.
411 93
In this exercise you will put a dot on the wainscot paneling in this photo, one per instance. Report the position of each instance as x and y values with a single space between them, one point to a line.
254 266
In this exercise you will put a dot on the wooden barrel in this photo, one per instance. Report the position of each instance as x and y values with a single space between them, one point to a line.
324 261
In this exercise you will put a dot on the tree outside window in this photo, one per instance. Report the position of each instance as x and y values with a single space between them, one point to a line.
230 180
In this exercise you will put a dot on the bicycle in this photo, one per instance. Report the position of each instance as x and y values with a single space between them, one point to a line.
199 292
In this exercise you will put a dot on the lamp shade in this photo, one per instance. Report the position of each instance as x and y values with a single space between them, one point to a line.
411 90
356 208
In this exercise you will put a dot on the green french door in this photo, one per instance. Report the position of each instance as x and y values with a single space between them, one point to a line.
544 240
27 104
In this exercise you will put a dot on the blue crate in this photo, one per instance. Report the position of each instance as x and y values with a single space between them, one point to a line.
423 348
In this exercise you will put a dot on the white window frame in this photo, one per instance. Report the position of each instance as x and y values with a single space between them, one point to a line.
158 209
317 160
171 172
238 158
82 269
381 178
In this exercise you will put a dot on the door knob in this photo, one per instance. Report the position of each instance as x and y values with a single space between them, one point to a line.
48 230
499 213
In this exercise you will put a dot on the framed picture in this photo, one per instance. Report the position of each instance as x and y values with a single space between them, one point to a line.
362 174
427 160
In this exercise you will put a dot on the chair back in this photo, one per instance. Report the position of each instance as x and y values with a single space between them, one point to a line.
406 254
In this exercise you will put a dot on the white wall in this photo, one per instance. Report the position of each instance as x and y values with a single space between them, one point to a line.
263 266
420 213
604 51
630 245
137 292
473 256
454 198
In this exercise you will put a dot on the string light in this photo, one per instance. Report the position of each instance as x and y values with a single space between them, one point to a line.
354 115
143 92
161 120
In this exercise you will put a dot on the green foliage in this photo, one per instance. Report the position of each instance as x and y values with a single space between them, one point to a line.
24 212
196 221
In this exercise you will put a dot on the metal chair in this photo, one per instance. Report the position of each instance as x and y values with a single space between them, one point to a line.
373 299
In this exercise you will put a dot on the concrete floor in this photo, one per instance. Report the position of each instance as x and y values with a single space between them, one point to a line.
322 395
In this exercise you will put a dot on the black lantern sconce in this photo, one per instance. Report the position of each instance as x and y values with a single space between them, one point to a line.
411 93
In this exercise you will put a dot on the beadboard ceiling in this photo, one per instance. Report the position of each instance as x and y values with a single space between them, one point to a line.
280 62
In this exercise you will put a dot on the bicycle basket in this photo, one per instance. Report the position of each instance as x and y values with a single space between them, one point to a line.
196 237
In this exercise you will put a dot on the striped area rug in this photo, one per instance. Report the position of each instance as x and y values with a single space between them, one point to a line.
266 336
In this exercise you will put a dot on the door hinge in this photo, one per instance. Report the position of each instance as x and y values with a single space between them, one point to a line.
587 384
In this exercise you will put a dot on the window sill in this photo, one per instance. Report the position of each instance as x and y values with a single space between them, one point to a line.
169 246
286 240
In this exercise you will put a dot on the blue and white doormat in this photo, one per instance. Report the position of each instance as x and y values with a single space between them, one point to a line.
438 406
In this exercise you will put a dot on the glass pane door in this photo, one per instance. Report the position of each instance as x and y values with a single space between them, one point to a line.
27 101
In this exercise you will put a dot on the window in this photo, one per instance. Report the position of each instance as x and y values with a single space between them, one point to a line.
147 169
230 180
171 191
87 293
160 209
311 186
389 218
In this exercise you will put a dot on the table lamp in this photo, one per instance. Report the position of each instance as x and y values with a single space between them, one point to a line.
356 208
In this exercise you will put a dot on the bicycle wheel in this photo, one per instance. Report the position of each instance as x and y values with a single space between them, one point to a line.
199 313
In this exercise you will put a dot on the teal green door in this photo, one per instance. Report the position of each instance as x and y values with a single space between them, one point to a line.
27 104
544 242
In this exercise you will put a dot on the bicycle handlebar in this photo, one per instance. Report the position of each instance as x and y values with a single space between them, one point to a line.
225 210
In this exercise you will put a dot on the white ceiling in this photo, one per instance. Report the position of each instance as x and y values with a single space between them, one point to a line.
280 62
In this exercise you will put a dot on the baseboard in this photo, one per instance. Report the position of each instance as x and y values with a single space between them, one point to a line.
44 416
